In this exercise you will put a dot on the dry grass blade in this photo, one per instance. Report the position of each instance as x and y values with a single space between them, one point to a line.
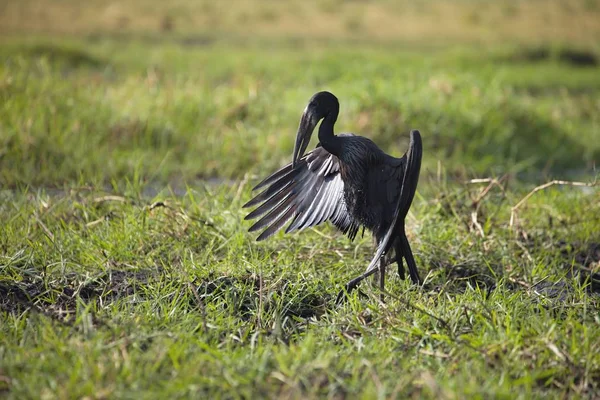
492 182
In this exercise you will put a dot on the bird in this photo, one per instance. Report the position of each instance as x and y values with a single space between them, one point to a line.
347 180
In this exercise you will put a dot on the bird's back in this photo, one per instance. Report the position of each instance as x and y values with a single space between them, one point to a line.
372 183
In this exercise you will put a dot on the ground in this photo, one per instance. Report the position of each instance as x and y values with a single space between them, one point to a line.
131 134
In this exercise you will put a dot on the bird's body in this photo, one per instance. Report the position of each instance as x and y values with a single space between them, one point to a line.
347 180
372 181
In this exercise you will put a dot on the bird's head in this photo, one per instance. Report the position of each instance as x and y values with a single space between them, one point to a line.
319 107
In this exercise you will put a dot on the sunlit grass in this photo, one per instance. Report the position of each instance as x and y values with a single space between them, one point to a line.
98 115
128 146
120 295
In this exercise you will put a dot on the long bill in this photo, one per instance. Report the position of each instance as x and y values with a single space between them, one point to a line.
308 123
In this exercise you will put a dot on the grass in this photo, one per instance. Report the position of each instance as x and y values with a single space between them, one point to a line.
130 138
179 115
126 296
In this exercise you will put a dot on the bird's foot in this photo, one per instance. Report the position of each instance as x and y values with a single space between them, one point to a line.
350 286
401 271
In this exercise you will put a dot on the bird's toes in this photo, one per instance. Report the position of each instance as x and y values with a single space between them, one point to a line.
340 297
350 286
343 294
401 272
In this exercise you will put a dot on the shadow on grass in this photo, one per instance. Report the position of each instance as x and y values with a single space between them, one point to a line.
570 56
154 39
579 264
243 295
71 57
582 261
58 299
457 278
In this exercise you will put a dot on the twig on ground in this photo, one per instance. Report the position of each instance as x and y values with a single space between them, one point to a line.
513 211
478 200
525 251
157 204
476 223
109 198
491 183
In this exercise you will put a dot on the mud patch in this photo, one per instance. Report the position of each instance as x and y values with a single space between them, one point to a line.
279 306
58 299
459 277
582 261
245 295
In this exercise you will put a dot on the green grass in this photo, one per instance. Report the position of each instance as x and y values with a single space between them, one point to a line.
122 296
107 111
131 136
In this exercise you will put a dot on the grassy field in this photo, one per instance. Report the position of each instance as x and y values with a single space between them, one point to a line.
131 133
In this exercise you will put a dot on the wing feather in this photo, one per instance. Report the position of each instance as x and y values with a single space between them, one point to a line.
273 177
309 195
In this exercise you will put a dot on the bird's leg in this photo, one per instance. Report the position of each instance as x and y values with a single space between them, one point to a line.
382 265
398 259
401 271
404 247
390 261
377 275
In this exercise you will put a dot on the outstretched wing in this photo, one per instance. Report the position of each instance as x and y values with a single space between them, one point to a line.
309 194
412 168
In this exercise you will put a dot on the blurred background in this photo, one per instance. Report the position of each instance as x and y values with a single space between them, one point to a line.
172 92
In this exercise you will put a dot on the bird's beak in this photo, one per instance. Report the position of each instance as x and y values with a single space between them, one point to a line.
308 122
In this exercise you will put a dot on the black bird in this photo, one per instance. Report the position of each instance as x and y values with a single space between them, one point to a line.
347 180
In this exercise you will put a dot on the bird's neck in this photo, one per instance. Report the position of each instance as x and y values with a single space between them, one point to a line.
327 138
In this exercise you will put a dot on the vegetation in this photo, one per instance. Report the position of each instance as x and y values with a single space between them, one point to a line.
130 138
